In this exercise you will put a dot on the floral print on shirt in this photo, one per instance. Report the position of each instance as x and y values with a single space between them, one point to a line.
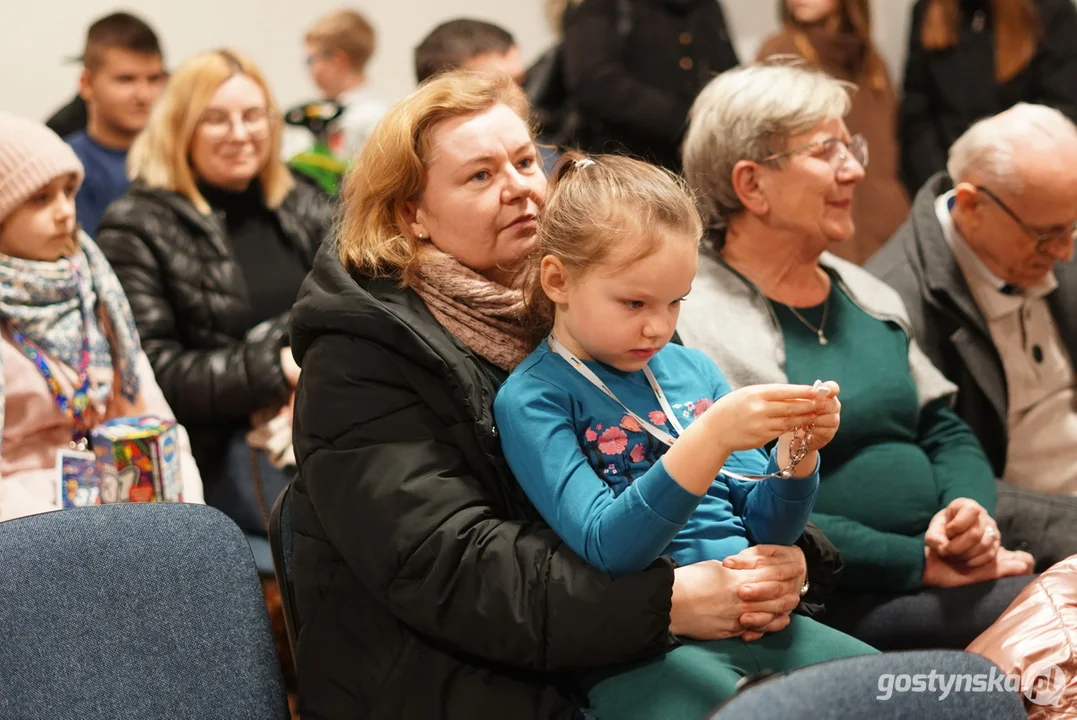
620 451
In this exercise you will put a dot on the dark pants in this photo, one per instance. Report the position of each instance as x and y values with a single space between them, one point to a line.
236 493
866 687
1041 524
931 618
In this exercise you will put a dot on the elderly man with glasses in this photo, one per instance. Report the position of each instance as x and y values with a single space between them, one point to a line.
984 265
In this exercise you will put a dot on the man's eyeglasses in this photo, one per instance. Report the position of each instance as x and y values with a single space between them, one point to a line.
835 151
1066 232
218 124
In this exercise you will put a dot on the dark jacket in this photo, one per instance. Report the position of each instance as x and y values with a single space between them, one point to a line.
70 118
640 87
946 91
948 324
189 299
427 585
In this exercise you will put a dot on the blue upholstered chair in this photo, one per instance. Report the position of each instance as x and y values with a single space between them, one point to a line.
140 611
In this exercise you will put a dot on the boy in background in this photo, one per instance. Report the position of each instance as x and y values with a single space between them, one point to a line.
338 47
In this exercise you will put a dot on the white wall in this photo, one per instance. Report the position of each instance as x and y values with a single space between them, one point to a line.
36 36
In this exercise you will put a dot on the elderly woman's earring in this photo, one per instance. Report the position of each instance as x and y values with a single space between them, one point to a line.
422 235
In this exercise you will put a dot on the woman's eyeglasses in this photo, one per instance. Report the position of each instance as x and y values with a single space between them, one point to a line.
1065 233
835 151
219 124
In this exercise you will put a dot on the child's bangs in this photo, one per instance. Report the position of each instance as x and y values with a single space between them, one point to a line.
631 235
625 246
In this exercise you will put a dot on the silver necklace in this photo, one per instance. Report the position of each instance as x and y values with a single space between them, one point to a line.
822 324
826 307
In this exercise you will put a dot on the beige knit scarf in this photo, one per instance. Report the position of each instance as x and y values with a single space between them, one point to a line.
482 314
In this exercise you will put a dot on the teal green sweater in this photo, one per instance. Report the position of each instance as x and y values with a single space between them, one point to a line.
893 464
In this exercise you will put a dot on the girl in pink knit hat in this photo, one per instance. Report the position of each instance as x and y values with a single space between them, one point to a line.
70 356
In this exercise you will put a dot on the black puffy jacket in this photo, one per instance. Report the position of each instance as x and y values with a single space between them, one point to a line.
69 119
427 585
190 302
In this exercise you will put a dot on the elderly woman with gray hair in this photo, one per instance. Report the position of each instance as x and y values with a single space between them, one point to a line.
906 492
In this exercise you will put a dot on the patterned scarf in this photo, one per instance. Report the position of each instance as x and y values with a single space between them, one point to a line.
44 302
485 316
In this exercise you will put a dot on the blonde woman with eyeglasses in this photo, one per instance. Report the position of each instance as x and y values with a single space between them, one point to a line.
211 244
906 493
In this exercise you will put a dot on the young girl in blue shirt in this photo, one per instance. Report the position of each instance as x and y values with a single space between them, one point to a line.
632 447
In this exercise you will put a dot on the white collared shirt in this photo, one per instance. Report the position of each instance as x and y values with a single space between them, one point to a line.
1042 418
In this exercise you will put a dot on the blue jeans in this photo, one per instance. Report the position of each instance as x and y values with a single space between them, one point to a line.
868 687
235 495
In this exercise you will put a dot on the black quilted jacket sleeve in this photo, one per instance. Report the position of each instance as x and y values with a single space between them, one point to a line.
151 250
824 570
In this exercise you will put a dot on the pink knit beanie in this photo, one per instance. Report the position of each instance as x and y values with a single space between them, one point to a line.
31 156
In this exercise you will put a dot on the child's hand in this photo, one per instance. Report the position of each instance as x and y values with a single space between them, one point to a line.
828 418
753 416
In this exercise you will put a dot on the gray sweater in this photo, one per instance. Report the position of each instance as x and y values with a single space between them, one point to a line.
729 318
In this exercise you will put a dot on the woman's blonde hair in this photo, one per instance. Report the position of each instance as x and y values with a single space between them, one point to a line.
855 16
1016 24
749 113
374 237
159 156
600 209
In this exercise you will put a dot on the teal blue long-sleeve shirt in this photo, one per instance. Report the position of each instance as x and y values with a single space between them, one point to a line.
598 478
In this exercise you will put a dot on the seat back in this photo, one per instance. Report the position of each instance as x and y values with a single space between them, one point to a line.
141 610
280 541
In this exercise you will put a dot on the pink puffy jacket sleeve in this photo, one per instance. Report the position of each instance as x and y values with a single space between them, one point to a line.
1036 638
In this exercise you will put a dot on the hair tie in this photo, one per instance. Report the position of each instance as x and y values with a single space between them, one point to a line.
584 162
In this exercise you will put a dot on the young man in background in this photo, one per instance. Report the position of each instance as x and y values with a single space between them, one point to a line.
123 73
469 45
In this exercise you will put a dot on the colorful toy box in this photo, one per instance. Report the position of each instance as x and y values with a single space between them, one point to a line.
80 485
138 460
